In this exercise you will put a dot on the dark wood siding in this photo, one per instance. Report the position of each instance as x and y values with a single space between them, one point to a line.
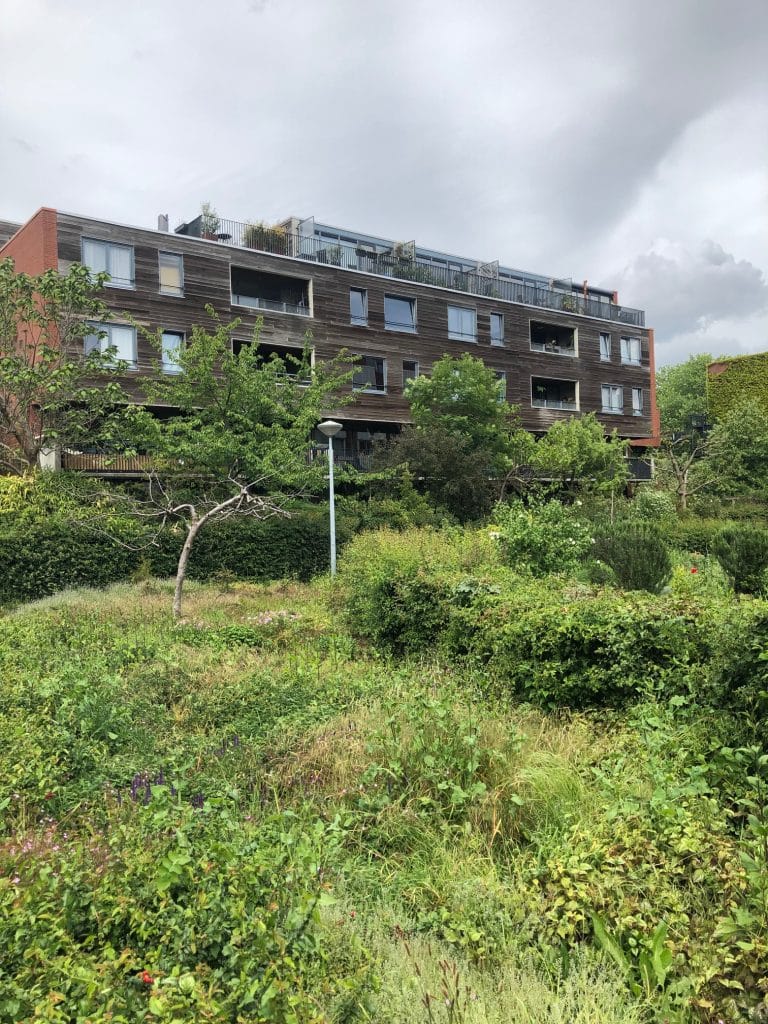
207 281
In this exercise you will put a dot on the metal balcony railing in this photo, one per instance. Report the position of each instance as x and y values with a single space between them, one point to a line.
391 263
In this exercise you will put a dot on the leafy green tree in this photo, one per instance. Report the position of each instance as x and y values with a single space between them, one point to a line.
681 395
50 392
577 452
465 444
738 448
237 442
462 397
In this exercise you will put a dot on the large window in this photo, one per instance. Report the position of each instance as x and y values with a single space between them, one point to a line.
637 401
261 289
462 323
549 393
358 307
501 377
111 258
173 342
171 273
630 351
613 398
497 329
410 370
399 314
371 375
605 348
117 340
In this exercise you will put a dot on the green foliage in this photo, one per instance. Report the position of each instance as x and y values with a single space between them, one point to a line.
681 394
396 584
576 451
542 537
738 447
654 506
742 551
39 556
638 555
48 398
461 397
744 378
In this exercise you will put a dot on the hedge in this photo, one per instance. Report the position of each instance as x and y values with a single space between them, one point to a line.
744 377
549 641
39 559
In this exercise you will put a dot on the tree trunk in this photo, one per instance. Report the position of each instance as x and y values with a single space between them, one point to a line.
181 568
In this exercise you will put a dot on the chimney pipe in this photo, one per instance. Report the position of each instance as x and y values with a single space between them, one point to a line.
162 222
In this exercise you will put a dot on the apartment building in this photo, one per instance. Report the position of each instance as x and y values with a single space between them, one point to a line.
559 348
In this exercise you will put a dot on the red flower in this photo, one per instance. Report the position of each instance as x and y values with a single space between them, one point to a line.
694 569
49 795
147 978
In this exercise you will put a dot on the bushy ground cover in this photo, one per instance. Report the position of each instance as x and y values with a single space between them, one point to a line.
263 815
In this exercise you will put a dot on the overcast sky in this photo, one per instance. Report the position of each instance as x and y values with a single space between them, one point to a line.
623 141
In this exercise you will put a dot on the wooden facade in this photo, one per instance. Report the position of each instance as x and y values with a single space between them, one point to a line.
207 266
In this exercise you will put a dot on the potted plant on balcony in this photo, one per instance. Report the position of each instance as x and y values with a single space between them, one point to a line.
210 222
267 237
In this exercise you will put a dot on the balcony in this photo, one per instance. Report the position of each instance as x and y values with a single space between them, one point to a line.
277 293
560 341
554 394
104 463
400 262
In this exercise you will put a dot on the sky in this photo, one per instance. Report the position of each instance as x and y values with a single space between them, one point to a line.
617 141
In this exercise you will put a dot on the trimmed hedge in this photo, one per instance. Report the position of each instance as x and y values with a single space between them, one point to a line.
39 559
743 378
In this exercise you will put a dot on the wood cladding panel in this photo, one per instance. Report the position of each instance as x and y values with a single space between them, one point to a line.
207 270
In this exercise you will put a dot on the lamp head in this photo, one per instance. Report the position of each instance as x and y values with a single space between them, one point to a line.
329 427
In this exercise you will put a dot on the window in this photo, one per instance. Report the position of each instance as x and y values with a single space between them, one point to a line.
260 289
371 375
630 351
501 377
171 273
462 323
605 348
549 393
613 398
173 342
358 307
637 401
116 260
410 370
497 328
399 314
113 336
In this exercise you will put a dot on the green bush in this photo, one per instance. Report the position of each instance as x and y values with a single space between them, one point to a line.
637 554
743 552
695 534
39 557
543 537
397 585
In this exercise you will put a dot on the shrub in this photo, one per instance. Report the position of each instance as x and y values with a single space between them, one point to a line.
41 556
651 506
637 554
398 585
543 537
743 553
696 535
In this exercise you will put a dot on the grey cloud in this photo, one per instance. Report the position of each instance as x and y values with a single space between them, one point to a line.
685 292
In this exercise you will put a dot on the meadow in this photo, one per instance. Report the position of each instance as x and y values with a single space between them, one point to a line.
272 813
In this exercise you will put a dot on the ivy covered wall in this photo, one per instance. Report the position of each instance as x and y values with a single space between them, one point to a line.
730 380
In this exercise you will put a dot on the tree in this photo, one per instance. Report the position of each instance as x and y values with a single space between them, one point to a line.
238 438
462 397
51 393
738 448
681 395
465 441
577 452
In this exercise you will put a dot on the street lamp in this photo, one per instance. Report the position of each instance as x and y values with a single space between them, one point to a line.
331 428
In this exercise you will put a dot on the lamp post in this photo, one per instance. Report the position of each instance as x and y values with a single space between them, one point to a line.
331 428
